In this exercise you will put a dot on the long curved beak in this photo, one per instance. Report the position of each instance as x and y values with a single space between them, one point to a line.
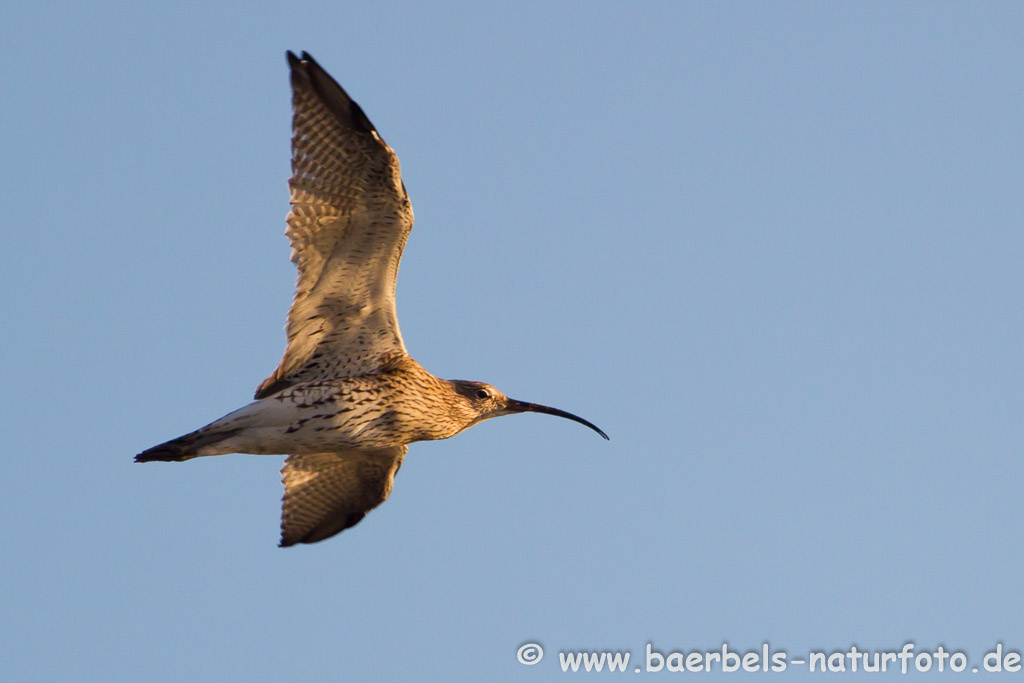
515 406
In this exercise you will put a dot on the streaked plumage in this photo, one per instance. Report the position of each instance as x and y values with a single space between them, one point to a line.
346 398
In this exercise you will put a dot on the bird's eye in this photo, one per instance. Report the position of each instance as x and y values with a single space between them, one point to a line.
482 393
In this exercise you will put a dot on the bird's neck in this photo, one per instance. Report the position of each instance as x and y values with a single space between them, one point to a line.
435 408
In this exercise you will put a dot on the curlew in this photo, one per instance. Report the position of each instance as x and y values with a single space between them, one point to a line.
346 399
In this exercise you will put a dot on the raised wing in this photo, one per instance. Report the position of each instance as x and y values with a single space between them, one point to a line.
349 221
326 493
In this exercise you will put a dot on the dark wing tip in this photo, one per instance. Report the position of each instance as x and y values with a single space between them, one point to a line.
347 111
321 532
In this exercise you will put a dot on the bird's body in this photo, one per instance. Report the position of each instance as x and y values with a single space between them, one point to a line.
397 404
346 399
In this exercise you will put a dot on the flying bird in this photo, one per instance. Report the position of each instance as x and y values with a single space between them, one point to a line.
346 399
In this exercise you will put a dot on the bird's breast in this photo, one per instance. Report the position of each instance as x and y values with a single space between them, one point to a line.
363 412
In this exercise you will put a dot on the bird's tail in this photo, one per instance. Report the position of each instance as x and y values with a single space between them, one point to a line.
186 447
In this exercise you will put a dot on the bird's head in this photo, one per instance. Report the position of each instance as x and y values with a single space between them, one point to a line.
479 401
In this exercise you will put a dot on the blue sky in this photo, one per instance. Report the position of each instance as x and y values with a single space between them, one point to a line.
774 250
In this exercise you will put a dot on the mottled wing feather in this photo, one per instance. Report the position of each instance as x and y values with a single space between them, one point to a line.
348 224
326 493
